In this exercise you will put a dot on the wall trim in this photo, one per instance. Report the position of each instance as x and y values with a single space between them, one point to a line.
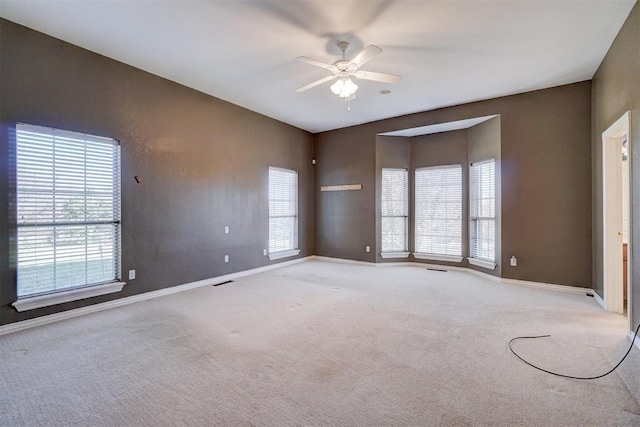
637 340
482 274
283 254
526 283
33 302
440 266
489 265
51 318
344 261
599 300
551 286
435 257
394 255
458 268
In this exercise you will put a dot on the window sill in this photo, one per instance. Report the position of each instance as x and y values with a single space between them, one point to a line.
394 255
283 254
482 263
436 257
30 303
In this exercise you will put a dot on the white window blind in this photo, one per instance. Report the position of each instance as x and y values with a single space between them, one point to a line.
482 200
438 201
283 210
68 192
395 210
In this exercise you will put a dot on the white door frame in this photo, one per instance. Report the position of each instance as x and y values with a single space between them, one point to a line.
612 215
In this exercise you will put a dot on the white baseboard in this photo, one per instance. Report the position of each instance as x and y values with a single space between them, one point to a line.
526 283
637 340
439 266
483 274
395 264
50 318
599 299
457 268
550 286
344 261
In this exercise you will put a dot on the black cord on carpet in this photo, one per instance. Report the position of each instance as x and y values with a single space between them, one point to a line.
570 376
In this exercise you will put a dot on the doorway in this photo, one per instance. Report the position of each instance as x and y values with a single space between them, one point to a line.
616 184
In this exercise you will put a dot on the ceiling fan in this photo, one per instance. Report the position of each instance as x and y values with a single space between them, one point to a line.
344 69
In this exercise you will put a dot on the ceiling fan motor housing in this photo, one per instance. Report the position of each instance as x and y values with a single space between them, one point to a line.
344 68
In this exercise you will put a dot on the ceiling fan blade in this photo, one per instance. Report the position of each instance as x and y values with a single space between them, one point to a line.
315 62
366 55
316 83
378 77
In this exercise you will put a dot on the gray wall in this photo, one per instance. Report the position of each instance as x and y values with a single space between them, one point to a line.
346 219
545 183
616 89
203 163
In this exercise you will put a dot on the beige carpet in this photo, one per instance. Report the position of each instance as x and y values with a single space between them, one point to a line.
322 343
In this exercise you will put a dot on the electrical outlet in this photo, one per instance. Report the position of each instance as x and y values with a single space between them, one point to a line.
264 252
367 248
514 261
226 258
132 274
226 229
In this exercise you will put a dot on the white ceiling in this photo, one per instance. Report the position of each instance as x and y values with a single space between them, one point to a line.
440 127
448 52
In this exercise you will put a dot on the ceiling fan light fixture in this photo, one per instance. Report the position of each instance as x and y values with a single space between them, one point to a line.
344 87
336 88
344 69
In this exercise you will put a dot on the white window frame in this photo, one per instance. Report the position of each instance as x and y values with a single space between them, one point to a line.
292 249
476 195
447 215
39 184
402 197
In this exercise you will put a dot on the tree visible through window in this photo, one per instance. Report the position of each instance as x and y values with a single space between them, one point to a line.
68 207
438 223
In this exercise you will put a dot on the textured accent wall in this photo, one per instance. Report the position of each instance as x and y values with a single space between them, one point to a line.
616 90
346 220
203 163
545 186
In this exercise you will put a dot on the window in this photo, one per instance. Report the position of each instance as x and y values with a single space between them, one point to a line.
482 200
438 223
395 212
283 213
68 193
